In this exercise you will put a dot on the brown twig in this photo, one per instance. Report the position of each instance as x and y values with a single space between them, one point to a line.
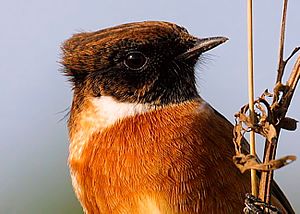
277 114
281 63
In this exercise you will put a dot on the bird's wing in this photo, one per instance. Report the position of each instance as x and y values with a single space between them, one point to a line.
281 198
278 197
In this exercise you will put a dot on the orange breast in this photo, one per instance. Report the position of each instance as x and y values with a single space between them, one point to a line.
176 159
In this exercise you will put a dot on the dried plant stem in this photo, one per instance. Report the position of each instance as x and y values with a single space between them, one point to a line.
270 148
251 92
281 62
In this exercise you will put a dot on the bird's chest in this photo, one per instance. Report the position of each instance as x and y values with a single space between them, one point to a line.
130 167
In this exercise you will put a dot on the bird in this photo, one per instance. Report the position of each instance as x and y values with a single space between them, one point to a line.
142 139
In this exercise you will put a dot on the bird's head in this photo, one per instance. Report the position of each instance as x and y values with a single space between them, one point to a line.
145 62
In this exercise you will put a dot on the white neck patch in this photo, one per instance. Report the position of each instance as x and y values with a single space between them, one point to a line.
110 110
105 111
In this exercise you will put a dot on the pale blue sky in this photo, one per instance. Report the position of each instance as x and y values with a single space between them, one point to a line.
33 148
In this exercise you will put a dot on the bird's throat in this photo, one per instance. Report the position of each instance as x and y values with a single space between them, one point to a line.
99 113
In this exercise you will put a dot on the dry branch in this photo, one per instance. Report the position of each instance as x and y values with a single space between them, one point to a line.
268 121
279 109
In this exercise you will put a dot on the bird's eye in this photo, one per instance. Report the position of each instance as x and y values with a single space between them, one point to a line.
135 60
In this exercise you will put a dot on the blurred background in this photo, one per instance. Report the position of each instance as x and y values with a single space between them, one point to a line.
34 177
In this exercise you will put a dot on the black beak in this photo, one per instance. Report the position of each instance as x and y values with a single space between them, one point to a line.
201 46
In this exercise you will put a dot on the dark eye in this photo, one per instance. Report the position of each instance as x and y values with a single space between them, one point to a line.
135 60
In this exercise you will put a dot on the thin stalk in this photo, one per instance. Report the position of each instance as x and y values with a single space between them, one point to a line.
281 62
270 148
251 91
